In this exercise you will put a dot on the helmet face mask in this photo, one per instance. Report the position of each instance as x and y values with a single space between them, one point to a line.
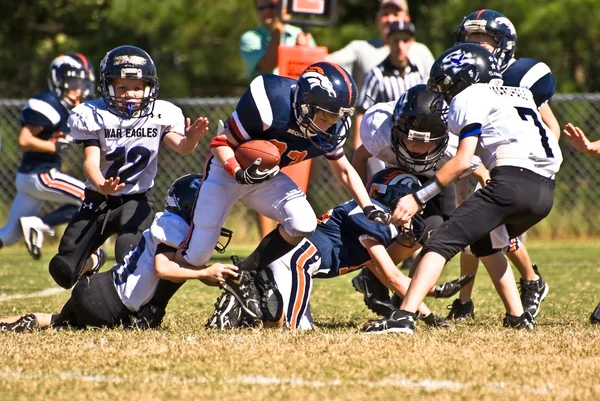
128 63
419 135
462 66
495 25
323 104
71 77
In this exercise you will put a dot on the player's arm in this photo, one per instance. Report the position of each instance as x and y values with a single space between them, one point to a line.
185 144
580 141
29 141
549 119
356 141
91 170
410 205
359 162
168 269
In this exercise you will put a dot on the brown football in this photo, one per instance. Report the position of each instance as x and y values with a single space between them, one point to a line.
249 151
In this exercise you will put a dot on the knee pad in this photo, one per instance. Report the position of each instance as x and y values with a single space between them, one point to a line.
300 228
62 272
483 247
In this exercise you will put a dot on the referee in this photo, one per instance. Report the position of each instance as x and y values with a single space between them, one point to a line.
391 78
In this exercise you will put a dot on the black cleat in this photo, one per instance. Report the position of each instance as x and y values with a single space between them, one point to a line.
446 290
25 324
595 317
460 311
432 320
525 321
101 260
376 295
400 322
244 290
271 301
227 314
533 292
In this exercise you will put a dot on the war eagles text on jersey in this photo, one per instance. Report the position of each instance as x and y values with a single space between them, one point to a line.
141 132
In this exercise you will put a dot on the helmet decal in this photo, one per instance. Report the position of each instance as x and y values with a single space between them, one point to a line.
315 78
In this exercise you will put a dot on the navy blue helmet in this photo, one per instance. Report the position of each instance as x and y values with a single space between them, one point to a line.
462 66
133 63
70 72
329 89
494 24
419 117
181 200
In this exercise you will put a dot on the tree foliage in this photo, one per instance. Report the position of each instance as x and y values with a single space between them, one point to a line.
195 42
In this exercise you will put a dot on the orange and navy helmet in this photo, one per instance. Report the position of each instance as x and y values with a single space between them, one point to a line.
68 73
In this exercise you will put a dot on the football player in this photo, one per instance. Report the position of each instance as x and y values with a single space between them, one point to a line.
136 291
304 118
501 125
121 135
580 142
496 33
344 241
44 136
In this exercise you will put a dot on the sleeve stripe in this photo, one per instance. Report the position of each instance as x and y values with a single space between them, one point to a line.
259 94
45 109
237 126
534 74
335 156
470 130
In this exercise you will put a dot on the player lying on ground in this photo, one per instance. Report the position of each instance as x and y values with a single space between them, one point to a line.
501 125
344 241
136 292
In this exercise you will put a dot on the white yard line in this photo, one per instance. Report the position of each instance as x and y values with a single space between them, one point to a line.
394 381
44 293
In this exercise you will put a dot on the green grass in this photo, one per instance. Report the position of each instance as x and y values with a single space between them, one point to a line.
476 360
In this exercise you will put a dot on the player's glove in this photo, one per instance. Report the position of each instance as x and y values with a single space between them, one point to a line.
252 175
63 143
377 215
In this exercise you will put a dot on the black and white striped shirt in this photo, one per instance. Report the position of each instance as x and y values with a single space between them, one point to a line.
385 83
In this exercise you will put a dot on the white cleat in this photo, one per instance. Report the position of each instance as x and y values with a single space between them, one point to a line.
33 232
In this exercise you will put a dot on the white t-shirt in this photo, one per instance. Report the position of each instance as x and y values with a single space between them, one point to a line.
511 131
376 132
129 146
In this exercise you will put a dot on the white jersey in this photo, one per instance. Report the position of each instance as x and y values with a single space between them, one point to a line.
376 136
511 131
129 146
135 279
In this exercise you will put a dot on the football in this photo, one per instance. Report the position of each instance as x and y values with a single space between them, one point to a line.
249 151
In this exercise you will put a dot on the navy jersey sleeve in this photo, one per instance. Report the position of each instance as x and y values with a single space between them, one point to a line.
533 75
543 89
369 229
42 110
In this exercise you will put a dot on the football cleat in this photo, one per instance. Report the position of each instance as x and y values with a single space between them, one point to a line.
533 292
376 295
399 322
432 320
271 299
450 288
595 317
460 311
100 261
25 324
33 231
525 321
227 314
244 290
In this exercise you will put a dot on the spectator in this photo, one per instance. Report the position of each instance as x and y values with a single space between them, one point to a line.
394 76
258 47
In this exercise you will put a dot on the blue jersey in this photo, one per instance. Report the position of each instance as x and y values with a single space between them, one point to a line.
45 110
265 111
339 237
533 75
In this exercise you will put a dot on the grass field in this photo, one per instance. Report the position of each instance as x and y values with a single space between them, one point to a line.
477 360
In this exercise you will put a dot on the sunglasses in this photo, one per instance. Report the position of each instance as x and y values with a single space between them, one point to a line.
266 7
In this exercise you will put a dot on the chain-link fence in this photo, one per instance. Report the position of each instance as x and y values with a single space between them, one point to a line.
577 195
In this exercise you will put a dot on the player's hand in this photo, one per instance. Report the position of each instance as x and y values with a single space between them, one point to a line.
406 208
62 143
110 186
196 131
252 175
217 273
578 138
376 214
